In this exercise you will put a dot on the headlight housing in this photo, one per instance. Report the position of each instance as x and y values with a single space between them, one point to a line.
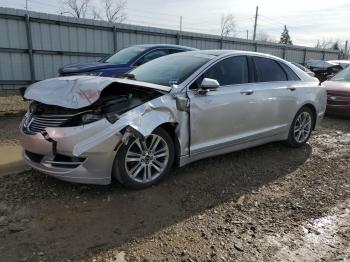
83 119
90 117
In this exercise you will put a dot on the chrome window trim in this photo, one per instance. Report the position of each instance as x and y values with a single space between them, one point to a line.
191 79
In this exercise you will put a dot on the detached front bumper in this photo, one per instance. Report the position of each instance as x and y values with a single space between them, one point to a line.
52 153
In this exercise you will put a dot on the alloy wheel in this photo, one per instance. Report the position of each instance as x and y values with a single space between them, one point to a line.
146 159
302 127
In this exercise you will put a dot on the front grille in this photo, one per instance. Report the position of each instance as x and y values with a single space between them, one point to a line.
39 123
338 102
338 93
338 98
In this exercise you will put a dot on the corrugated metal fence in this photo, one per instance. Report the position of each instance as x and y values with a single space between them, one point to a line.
34 46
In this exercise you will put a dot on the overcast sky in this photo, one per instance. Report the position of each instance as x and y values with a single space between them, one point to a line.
307 20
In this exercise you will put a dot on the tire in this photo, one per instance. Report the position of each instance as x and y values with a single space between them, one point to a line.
296 136
143 163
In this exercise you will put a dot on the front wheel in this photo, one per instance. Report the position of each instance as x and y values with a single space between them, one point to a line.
301 128
144 162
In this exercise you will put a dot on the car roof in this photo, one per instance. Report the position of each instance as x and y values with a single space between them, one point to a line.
222 53
168 46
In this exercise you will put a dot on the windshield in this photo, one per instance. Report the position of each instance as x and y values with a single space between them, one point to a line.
171 69
124 56
343 75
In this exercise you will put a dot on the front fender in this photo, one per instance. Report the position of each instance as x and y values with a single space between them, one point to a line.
144 118
153 118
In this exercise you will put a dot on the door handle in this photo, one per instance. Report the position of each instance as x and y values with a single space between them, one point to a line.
291 88
247 92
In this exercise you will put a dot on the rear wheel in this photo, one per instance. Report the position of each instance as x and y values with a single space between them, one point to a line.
144 162
301 128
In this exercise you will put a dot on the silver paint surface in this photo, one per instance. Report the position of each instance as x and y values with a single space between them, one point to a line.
214 123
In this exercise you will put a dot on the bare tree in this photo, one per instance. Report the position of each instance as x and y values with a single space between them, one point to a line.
115 10
325 43
335 45
228 25
77 8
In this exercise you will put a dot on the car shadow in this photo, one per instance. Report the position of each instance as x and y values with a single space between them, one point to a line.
68 220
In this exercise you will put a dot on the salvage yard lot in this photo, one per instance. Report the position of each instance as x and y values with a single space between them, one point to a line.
268 203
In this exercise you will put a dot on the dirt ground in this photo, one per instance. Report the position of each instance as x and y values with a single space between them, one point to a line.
12 105
270 203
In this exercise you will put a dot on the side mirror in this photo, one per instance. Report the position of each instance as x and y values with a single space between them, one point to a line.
208 84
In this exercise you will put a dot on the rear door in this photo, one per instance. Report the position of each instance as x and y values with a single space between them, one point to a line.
275 88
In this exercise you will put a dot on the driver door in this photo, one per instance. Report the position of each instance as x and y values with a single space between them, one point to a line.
223 117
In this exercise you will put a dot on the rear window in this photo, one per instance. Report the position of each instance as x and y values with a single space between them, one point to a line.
292 76
124 56
269 70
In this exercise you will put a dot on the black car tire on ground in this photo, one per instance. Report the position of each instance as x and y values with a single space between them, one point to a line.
292 140
120 167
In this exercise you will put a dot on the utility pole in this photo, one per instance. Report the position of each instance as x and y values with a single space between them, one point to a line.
180 23
27 6
247 34
256 22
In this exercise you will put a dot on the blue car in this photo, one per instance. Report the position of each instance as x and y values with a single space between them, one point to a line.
122 61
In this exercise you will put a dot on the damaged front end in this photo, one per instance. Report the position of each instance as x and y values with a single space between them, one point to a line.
113 101
75 124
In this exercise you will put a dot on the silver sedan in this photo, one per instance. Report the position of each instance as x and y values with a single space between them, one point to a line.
171 111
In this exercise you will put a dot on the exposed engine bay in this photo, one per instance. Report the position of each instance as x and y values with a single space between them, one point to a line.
113 101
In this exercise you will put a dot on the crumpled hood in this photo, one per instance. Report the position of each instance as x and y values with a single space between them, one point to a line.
88 66
77 91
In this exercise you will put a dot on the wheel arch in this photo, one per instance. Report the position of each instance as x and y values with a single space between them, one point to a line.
170 128
314 113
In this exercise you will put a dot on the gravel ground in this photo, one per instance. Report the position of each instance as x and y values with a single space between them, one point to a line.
269 203
12 105
9 131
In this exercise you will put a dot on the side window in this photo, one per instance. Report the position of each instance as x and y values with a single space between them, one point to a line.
174 51
268 70
152 55
230 71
